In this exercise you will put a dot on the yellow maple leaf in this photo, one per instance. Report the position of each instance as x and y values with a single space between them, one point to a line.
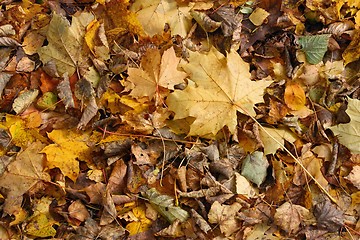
69 147
142 224
40 224
156 72
154 14
21 135
221 87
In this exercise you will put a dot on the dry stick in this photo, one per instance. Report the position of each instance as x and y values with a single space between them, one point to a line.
147 136
291 155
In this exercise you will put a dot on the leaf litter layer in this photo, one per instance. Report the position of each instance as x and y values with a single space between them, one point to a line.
180 120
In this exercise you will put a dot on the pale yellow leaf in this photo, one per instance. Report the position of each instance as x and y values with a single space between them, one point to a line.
154 14
280 134
349 133
221 87
258 16
156 71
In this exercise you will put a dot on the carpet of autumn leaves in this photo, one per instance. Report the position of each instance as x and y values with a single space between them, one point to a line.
180 119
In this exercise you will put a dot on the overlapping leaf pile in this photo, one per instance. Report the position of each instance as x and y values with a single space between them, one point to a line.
179 119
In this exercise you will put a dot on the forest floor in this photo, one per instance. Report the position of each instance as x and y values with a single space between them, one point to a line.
179 119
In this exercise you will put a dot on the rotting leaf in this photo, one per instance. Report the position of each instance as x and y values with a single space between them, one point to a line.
164 205
221 87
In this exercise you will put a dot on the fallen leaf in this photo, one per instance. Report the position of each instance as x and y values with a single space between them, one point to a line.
221 87
352 52
156 72
66 42
294 96
254 167
224 215
141 224
24 100
154 14
258 16
22 174
78 211
62 153
268 135
164 205
314 47
41 222
200 221
290 217
349 133
328 216
109 213
65 92
354 176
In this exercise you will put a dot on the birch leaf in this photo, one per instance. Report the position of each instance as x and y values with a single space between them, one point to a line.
221 87
164 205
314 47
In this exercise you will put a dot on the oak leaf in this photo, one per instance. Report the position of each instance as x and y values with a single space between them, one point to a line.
157 71
349 133
66 151
66 43
219 87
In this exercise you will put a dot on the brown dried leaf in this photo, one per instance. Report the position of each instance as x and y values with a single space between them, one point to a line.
224 215
328 216
290 216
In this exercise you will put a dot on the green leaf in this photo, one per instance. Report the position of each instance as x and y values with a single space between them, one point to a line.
66 43
47 101
349 133
314 47
254 168
164 205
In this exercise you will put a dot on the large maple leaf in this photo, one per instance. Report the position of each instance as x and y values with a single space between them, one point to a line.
219 87
155 72
154 14
66 43
69 147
